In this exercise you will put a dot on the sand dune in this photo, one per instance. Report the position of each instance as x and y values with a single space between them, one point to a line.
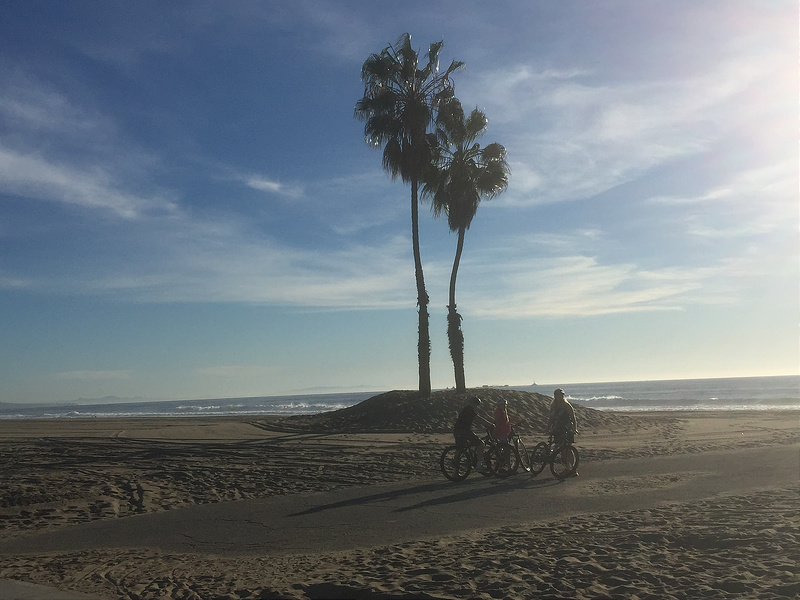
405 411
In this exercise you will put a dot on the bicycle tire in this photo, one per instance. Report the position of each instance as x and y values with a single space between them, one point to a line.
456 463
564 462
523 456
539 456
505 461
491 459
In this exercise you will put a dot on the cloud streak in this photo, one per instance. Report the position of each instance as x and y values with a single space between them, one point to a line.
56 149
580 286
264 184
37 178
570 136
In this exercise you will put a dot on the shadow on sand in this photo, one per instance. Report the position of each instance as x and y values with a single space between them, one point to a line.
467 490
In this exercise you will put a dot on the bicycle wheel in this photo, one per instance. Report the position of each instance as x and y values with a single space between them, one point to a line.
523 456
505 460
565 462
456 463
539 455
492 460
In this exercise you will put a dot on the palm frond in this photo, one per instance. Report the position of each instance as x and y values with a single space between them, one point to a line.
476 124
392 157
494 151
454 66
433 61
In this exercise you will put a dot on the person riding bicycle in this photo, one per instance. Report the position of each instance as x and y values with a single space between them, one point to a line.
463 428
502 424
562 424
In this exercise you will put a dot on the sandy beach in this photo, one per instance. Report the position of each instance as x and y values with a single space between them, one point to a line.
649 525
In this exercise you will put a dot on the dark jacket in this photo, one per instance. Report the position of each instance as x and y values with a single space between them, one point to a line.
465 418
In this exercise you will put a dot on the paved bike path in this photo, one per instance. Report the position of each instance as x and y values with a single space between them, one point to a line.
364 516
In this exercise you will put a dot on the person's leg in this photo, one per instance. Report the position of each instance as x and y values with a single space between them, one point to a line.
478 443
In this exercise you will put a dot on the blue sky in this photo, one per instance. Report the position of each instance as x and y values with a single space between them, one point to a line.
188 208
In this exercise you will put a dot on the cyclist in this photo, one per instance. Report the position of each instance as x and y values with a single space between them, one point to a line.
502 423
562 424
463 429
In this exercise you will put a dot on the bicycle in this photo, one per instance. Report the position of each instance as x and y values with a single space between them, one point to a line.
458 460
563 459
511 456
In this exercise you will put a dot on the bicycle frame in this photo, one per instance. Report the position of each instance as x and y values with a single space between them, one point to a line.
562 458
451 463
514 449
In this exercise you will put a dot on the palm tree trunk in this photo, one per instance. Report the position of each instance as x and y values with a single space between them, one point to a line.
424 343
455 336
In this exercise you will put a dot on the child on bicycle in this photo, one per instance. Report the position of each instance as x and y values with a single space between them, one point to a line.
502 423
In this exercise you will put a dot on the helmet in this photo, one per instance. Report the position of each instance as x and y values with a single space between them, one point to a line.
502 402
559 392
475 400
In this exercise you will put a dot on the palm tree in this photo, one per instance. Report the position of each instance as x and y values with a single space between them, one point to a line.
399 102
466 173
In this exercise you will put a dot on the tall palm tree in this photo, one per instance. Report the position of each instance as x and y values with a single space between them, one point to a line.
398 105
466 173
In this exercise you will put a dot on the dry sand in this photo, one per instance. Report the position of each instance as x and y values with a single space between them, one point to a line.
58 473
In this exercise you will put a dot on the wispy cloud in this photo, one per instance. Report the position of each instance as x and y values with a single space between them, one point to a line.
753 202
264 184
571 134
38 178
14 283
32 106
361 201
771 183
348 277
581 286
190 260
54 148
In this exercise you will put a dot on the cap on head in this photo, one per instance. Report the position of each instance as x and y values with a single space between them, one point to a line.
502 402
559 393
475 400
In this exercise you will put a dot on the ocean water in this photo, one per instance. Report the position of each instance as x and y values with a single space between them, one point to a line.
264 405
736 393
741 393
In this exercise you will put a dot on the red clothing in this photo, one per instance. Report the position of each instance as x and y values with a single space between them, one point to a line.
501 421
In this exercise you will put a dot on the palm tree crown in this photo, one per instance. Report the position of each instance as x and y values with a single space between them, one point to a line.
467 173
398 105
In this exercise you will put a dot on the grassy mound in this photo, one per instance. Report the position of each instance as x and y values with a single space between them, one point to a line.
402 411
